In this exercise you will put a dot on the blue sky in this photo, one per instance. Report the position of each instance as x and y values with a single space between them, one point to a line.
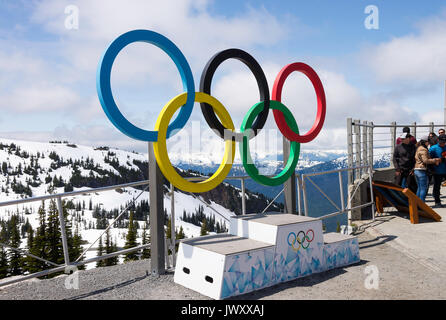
47 72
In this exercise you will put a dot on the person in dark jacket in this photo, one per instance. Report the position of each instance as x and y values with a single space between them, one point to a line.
439 151
406 131
404 163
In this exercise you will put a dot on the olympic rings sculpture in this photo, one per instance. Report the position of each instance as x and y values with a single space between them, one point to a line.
214 112
300 239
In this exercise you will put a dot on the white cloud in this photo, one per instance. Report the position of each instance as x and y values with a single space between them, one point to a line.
436 116
63 76
187 23
39 75
411 58
238 91
39 98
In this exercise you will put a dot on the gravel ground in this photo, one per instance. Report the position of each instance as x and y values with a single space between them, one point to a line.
400 277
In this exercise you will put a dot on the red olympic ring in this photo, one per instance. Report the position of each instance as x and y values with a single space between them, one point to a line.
306 235
321 103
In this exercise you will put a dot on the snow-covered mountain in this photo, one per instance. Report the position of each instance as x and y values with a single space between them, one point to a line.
35 169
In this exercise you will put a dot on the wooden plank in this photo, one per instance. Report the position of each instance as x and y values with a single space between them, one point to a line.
379 201
387 185
413 210
428 210
416 206
413 206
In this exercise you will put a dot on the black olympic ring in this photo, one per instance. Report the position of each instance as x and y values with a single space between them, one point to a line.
205 86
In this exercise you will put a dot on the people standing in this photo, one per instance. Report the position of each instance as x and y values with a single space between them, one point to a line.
433 139
439 151
422 160
406 131
404 163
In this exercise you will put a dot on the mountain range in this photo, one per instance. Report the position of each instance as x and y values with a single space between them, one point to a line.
31 169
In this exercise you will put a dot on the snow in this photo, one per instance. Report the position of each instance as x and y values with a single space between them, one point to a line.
108 200
114 200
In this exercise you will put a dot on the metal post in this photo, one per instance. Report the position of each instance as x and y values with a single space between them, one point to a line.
299 200
304 191
172 223
350 149
357 147
156 215
63 231
392 141
341 191
290 184
365 157
414 130
432 127
371 192
370 144
166 252
242 181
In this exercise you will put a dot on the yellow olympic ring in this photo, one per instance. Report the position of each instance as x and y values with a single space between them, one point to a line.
160 146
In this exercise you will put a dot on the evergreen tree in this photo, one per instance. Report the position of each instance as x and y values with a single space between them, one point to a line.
53 235
169 228
3 263
204 228
181 234
110 248
30 244
3 256
130 241
39 245
100 263
75 247
145 240
114 248
15 258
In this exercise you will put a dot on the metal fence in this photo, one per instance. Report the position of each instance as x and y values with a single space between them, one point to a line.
168 245
370 144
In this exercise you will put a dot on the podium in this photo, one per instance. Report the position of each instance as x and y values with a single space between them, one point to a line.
259 251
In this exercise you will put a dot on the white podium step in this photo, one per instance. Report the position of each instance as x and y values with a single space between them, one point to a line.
265 227
340 250
223 265
261 250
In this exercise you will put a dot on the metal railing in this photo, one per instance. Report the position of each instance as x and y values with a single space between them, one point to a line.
368 142
78 262
68 265
343 208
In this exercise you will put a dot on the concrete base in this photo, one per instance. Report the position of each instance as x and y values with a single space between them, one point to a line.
260 251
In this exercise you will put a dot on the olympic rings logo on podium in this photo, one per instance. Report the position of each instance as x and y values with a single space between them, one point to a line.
300 238
213 111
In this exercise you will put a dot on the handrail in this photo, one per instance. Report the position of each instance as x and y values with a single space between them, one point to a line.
343 209
73 193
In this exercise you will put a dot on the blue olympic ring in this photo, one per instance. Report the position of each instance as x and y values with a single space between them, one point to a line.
104 88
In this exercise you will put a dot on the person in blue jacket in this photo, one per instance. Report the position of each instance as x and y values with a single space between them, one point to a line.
439 151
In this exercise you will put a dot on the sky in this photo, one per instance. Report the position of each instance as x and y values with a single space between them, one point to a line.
49 54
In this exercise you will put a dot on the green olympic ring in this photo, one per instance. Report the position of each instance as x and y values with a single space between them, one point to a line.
248 164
